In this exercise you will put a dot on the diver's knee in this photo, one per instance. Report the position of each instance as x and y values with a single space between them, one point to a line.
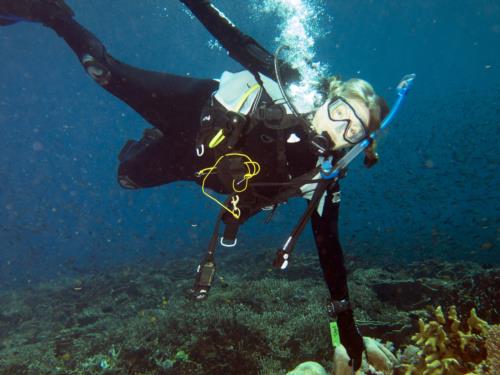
95 69
133 149
94 59
132 157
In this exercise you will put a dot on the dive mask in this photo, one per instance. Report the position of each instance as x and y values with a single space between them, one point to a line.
345 120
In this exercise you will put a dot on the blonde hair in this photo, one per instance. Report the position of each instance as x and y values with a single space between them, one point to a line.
356 88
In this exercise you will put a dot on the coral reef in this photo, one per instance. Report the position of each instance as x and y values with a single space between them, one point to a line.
138 321
448 346
493 349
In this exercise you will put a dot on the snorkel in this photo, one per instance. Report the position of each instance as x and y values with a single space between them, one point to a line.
329 171
322 142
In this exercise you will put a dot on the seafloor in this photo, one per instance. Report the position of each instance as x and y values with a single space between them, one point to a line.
138 320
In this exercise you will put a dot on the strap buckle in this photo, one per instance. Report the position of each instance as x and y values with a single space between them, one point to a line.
336 197
200 150
335 307
281 259
228 244
204 277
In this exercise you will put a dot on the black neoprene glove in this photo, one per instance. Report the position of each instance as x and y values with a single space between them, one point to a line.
350 338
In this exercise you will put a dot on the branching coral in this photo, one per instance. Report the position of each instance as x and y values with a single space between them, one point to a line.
448 347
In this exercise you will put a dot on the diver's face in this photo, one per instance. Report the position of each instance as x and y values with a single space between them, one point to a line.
344 121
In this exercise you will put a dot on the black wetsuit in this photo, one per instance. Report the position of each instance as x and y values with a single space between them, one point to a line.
173 105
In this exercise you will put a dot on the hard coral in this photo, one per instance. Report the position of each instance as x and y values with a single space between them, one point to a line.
493 348
448 346
308 368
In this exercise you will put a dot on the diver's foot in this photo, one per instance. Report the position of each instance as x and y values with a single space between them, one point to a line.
44 11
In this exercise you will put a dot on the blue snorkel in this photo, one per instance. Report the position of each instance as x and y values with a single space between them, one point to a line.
329 171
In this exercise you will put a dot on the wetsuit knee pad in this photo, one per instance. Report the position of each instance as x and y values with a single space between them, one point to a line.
94 60
125 169
98 71
131 156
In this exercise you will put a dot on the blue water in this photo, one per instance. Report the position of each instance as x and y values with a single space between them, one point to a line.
433 195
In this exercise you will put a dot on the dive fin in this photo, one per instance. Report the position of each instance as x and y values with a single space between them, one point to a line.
44 11
6 22
7 19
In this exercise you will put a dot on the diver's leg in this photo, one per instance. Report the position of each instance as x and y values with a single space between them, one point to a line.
164 100
12 11
326 235
169 102
155 160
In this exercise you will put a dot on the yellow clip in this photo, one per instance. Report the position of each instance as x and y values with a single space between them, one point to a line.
218 138
235 199
253 168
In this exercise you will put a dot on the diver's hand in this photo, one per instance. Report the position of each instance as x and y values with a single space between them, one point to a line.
371 158
376 357
371 155
350 338
379 356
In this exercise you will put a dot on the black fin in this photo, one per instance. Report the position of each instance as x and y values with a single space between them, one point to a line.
6 22
44 11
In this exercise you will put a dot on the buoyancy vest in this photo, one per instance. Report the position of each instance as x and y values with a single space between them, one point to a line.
246 121
246 118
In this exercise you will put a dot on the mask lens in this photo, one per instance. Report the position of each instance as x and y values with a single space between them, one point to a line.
338 110
354 132
341 113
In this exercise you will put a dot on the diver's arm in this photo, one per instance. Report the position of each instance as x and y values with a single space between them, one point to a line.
240 46
325 230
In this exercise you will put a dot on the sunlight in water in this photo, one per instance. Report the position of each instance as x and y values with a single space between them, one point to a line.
299 28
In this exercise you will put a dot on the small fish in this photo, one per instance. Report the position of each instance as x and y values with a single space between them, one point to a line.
488 245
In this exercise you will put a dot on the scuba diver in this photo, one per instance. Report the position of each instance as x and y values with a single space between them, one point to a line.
246 140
